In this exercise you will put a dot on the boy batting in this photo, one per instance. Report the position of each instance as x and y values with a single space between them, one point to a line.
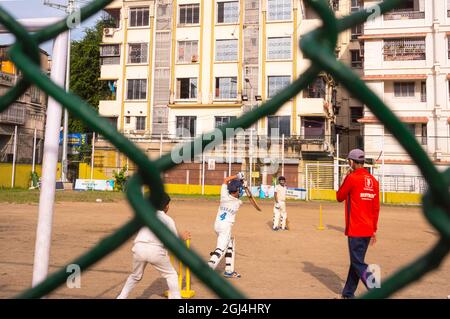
226 215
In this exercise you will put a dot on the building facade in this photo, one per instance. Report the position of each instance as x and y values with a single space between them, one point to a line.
27 114
181 68
407 63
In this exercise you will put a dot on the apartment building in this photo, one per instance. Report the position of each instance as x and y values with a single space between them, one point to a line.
406 62
183 67
27 113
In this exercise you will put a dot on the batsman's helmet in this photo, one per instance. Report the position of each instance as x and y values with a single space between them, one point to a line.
234 186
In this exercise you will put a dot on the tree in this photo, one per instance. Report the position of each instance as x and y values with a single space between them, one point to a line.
85 71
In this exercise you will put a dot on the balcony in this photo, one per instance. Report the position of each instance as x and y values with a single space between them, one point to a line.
15 114
404 49
109 108
404 15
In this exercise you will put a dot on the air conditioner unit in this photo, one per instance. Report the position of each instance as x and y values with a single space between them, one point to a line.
108 32
164 2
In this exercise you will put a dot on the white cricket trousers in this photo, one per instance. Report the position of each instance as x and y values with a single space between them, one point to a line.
224 242
156 256
280 216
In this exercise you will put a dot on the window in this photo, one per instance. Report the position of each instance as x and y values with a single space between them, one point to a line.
356 113
357 30
279 125
404 49
137 53
127 119
137 89
314 127
189 13
279 48
112 120
316 90
187 51
404 89
226 50
448 45
279 9
223 120
276 84
356 5
227 12
226 88
186 88
140 123
356 59
423 91
139 17
35 94
186 126
419 130
110 54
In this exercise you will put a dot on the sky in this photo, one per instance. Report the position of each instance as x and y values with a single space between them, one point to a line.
36 9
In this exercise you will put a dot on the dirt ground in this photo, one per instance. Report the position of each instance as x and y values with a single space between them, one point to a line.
301 263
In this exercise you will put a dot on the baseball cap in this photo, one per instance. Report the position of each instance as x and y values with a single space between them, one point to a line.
356 155
234 186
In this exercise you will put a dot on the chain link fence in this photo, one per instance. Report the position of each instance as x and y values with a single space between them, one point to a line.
318 46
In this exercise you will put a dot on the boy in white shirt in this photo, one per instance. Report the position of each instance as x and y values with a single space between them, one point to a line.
226 215
148 249
279 209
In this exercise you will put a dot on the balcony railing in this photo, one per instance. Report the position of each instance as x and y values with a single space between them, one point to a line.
404 50
15 114
404 15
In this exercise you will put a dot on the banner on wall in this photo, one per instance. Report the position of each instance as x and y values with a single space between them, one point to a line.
268 191
94 184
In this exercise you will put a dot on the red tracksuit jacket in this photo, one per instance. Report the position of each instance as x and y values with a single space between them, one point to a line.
361 193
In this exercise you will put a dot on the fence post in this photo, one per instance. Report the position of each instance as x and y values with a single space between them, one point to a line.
13 175
250 155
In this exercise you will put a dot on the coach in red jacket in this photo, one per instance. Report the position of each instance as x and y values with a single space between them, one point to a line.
360 191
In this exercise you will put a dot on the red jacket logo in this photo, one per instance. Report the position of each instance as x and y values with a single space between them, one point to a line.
368 183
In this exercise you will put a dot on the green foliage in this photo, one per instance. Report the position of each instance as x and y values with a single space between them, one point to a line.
85 71
120 179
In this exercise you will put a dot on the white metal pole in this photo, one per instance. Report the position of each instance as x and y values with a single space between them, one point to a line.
282 154
336 165
66 116
13 175
203 173
230 151
160 145
34 151
382 170
251 157
92 156
49 165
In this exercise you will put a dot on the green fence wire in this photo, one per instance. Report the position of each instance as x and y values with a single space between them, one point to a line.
319 46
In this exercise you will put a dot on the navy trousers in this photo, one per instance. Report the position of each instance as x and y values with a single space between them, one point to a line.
357 247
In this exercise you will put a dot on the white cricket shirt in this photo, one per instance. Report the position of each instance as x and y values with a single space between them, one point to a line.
146 236
281 193
229 206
